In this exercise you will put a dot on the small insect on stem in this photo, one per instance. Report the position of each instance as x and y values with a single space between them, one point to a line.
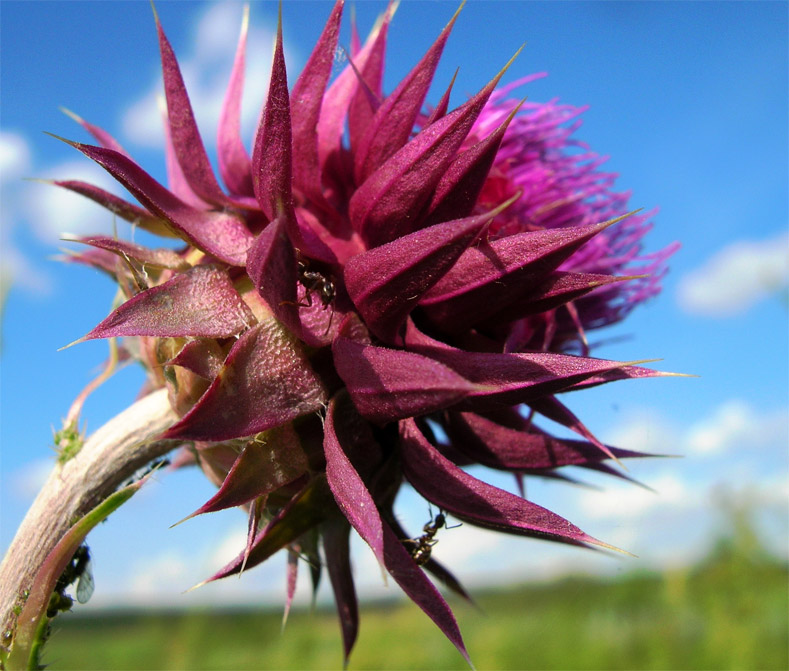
421 548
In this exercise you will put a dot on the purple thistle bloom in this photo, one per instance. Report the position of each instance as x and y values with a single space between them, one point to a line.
356 290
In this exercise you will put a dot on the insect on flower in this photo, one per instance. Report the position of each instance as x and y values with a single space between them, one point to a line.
421 548
465 249
315 281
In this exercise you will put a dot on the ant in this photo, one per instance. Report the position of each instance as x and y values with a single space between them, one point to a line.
421 548
315 281
312 280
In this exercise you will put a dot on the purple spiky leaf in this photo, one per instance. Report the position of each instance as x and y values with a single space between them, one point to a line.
393 121
512 378
101 135
474 501
386 282
203 357
271 265
310 506
272 171
388 384
349 490
369 75
234 162
306 101
479 283
186 139
122 208
384 206
432 566
222 234
336 546
266 380
457 191
555 410
441 108
266 463
200 302
498 446
334 108
144 256
291 579
420 590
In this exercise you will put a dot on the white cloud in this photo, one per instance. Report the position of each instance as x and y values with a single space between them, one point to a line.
26 482
626 502
737 277
155 576
52 210
643 432
736 423
206 67
15 268
14 156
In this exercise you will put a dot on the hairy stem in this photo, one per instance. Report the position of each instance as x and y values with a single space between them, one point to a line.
109 457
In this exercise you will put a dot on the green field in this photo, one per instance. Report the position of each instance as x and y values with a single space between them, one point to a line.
729 612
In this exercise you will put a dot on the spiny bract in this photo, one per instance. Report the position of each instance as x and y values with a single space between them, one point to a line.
381 293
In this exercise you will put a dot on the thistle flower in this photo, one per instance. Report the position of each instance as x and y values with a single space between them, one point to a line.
381 293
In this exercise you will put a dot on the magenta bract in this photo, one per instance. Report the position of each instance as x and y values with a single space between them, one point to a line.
380 293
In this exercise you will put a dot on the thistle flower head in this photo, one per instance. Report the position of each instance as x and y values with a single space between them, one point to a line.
382 292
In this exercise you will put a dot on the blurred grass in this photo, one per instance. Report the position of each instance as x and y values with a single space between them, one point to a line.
729 612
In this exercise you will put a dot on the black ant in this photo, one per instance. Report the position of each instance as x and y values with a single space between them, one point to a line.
421 548
312 280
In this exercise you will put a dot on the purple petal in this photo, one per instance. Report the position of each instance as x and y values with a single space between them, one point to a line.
474 501
201 302
338 562
393 121
234 164
186 139
266 380
388 384
384 206
386 282
306 106
221 234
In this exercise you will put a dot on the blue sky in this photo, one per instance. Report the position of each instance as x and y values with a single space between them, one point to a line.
689 100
